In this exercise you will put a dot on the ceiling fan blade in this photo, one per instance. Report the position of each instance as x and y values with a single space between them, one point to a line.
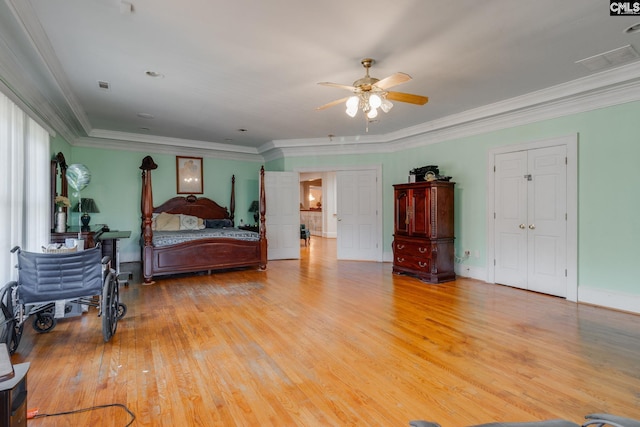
339 86
393 80
407 97
332 103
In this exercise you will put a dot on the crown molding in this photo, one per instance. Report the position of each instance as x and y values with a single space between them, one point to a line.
605 89
37 82
602 90
27 19
162 145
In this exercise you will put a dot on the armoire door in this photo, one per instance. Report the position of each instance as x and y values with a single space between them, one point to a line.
530 220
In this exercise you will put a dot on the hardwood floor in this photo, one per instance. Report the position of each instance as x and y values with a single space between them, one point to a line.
316 342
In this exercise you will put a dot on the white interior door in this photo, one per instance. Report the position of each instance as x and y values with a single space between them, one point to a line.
358 236
282 214
547 228
511 219
530 220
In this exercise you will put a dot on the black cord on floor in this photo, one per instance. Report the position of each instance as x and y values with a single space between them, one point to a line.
77 411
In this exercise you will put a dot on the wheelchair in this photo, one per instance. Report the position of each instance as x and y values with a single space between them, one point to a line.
47 279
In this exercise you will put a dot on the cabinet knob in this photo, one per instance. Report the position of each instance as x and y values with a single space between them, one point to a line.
400 259
422 264
422 250
522 226
532 226
400 246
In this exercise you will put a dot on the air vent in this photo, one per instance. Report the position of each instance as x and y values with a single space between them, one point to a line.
103 84
610 59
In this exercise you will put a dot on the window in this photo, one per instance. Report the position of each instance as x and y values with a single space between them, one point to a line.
24 185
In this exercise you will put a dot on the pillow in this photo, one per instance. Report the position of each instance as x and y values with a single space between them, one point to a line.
153 220
190 222
167 222
218 223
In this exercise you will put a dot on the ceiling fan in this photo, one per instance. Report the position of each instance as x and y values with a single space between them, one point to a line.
371 93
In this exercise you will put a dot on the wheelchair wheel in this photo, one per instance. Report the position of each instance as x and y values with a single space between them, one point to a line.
110 306
44 322
122 310
12 332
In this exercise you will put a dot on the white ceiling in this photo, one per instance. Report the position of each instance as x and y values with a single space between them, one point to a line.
255 65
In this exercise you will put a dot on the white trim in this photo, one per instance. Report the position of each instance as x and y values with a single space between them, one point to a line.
161 146
609 299
571 143
378 169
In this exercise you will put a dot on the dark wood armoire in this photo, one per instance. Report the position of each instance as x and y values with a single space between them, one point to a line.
423 230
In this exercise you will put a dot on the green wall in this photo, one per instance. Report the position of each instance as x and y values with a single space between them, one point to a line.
608 182
608 199
116 188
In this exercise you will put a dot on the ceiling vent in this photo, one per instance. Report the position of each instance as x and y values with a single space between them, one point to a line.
103 84
614 57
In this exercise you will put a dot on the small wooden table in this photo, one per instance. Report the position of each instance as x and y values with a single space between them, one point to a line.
86 233
109 241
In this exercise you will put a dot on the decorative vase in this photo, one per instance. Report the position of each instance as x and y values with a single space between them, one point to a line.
61 221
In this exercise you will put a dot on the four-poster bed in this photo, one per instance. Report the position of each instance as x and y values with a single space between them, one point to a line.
191 234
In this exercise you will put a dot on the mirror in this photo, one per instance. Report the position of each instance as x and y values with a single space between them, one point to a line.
59 185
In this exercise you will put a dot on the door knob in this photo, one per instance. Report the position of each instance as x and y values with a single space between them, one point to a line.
532 226
522 226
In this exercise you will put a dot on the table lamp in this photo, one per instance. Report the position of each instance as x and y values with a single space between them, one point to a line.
255 206
86 206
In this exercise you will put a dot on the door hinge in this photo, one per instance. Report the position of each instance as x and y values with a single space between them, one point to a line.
566 217
528 177
494 215
566 161
494 168
494 262
565 272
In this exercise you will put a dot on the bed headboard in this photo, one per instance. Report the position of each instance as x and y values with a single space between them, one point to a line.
191 205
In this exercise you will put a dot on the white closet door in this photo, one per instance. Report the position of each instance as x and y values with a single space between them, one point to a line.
547 228
530 220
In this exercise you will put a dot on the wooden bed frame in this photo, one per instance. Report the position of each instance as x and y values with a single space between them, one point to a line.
199 255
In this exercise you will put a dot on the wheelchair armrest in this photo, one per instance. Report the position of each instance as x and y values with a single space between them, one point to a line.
14 249
612 420
106 260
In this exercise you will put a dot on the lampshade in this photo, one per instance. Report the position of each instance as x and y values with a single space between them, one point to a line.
86 206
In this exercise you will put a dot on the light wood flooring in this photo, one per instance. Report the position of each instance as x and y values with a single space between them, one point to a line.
317 342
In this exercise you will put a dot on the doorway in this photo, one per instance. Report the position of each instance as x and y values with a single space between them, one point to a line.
351 211
532 216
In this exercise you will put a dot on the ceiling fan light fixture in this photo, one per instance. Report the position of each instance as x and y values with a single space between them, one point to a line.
375 101
353 102
369 94
386 105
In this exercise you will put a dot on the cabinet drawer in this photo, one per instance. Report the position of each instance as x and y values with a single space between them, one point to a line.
412 248
412 263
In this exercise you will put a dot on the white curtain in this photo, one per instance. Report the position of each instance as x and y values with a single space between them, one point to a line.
24 186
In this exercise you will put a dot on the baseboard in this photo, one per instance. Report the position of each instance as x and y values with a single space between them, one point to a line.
478 273
609 299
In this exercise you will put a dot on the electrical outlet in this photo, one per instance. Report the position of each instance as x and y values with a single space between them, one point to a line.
467 252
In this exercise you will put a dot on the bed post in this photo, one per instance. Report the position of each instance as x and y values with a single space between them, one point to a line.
263 229
147 211
232 203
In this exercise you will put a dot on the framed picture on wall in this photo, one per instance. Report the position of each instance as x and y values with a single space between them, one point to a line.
189 175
